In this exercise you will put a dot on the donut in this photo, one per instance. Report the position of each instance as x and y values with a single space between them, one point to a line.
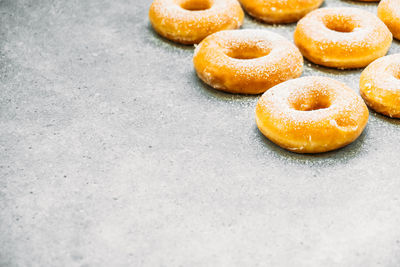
279 11
246 61
311 115
190 21
342 38
380 85
389 13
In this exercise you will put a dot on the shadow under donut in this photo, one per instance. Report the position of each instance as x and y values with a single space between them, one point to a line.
209 91
308 65
394 49
339 156
260 23
394 121
158 38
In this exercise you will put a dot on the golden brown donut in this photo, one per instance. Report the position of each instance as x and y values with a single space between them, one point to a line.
389 13
246 61
190 21
279 11
380 85
311 115
342 37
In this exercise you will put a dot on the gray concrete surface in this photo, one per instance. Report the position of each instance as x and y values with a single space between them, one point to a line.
113 153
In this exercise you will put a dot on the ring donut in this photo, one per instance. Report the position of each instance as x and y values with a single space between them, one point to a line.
380 85
190 21
342 37
246 61
311 115
279 11
389 13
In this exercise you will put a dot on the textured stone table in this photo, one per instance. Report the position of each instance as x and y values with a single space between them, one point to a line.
113 153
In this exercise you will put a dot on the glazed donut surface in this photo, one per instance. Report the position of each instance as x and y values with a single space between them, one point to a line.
389 13
342 37
311 115
190 21
246 61
380 85
279 11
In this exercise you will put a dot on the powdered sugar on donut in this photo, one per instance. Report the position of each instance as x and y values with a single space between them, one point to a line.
342 37
333 115
171 20
342 101
389 13
380 85
279 60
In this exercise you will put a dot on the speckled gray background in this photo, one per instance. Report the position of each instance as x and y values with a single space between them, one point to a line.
113 153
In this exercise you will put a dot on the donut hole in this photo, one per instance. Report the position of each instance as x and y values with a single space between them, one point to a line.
247 52
340 23
196 5
309 100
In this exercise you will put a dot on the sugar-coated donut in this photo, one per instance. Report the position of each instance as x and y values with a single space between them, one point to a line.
279 11
311 115
380 85
389 13
246 61
342 37
190 21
